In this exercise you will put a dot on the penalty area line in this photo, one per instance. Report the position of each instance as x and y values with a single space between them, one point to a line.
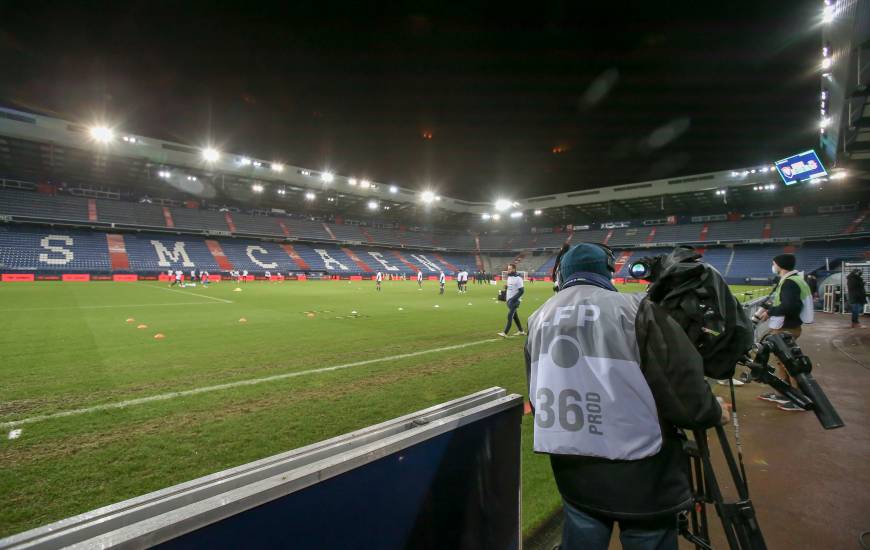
236 384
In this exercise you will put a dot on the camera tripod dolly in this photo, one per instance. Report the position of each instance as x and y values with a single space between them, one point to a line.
739 520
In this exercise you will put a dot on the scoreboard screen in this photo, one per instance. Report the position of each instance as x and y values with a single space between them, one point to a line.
800 167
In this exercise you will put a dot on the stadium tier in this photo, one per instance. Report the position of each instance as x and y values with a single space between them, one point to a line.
34 249
48 250
26 205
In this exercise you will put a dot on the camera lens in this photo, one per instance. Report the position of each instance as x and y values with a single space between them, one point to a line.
638 270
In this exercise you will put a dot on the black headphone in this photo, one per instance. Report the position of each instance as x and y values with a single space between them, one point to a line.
610 259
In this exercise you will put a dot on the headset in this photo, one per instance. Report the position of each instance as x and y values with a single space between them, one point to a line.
610 258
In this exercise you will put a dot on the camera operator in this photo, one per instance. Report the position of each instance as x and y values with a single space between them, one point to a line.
790 307
857 295
612 378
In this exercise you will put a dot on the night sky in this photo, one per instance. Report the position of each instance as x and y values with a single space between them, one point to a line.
621 91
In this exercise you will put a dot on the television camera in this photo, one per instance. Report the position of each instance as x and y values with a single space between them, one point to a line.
697 297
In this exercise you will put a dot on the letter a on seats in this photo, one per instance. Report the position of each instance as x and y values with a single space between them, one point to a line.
426 262
329 261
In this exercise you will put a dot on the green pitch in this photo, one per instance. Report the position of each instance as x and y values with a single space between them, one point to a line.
87 347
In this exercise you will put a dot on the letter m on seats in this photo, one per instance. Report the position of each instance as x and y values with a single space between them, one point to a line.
178 253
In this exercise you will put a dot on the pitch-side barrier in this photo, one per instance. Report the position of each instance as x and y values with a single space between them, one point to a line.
444 477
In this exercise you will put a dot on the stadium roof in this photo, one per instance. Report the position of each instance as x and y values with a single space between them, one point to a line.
46 148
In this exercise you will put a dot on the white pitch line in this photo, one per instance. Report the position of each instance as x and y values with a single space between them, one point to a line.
192 294
236 384
112 306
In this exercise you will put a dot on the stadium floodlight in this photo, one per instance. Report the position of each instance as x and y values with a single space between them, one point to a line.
327 177
130 139
257 188
191 178
244 161
826 63
277 167
753 171
839 175
365 184
305 172
516 215
373 205
437 197
165 174
538 212
282 191
210 154
496 217
427 196
351 181
309 196
824 122
101 134
485 216
394 189
828 13
503 204
824 94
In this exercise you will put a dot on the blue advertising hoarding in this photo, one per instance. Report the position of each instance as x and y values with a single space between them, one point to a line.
800 167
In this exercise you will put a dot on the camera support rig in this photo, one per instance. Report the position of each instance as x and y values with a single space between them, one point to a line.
810 396
739 520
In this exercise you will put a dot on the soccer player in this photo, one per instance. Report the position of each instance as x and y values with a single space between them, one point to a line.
177 280
203 277
245 276
515 290
419 280
441 281
268 276
378 278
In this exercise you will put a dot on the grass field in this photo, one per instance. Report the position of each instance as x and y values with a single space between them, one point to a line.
73 346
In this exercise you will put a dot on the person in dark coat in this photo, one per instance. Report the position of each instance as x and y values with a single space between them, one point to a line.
857 294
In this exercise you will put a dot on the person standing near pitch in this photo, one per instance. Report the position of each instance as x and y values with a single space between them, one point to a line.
378 278
419 280
442 280
515 290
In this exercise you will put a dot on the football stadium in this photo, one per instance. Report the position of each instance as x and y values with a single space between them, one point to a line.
208 347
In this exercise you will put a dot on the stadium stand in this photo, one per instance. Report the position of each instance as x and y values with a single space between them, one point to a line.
36 249
196 219
142 215
32 205
257 225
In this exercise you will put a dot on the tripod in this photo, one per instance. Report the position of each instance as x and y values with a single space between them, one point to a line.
738 518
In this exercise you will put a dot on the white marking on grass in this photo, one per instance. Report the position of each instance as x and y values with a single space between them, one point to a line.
236 384
193 294
113 306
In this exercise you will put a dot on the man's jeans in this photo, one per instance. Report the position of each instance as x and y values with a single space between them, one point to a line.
857 310
513 306
586 532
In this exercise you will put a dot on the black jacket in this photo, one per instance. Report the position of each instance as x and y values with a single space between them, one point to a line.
658 485
790 305
855 288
